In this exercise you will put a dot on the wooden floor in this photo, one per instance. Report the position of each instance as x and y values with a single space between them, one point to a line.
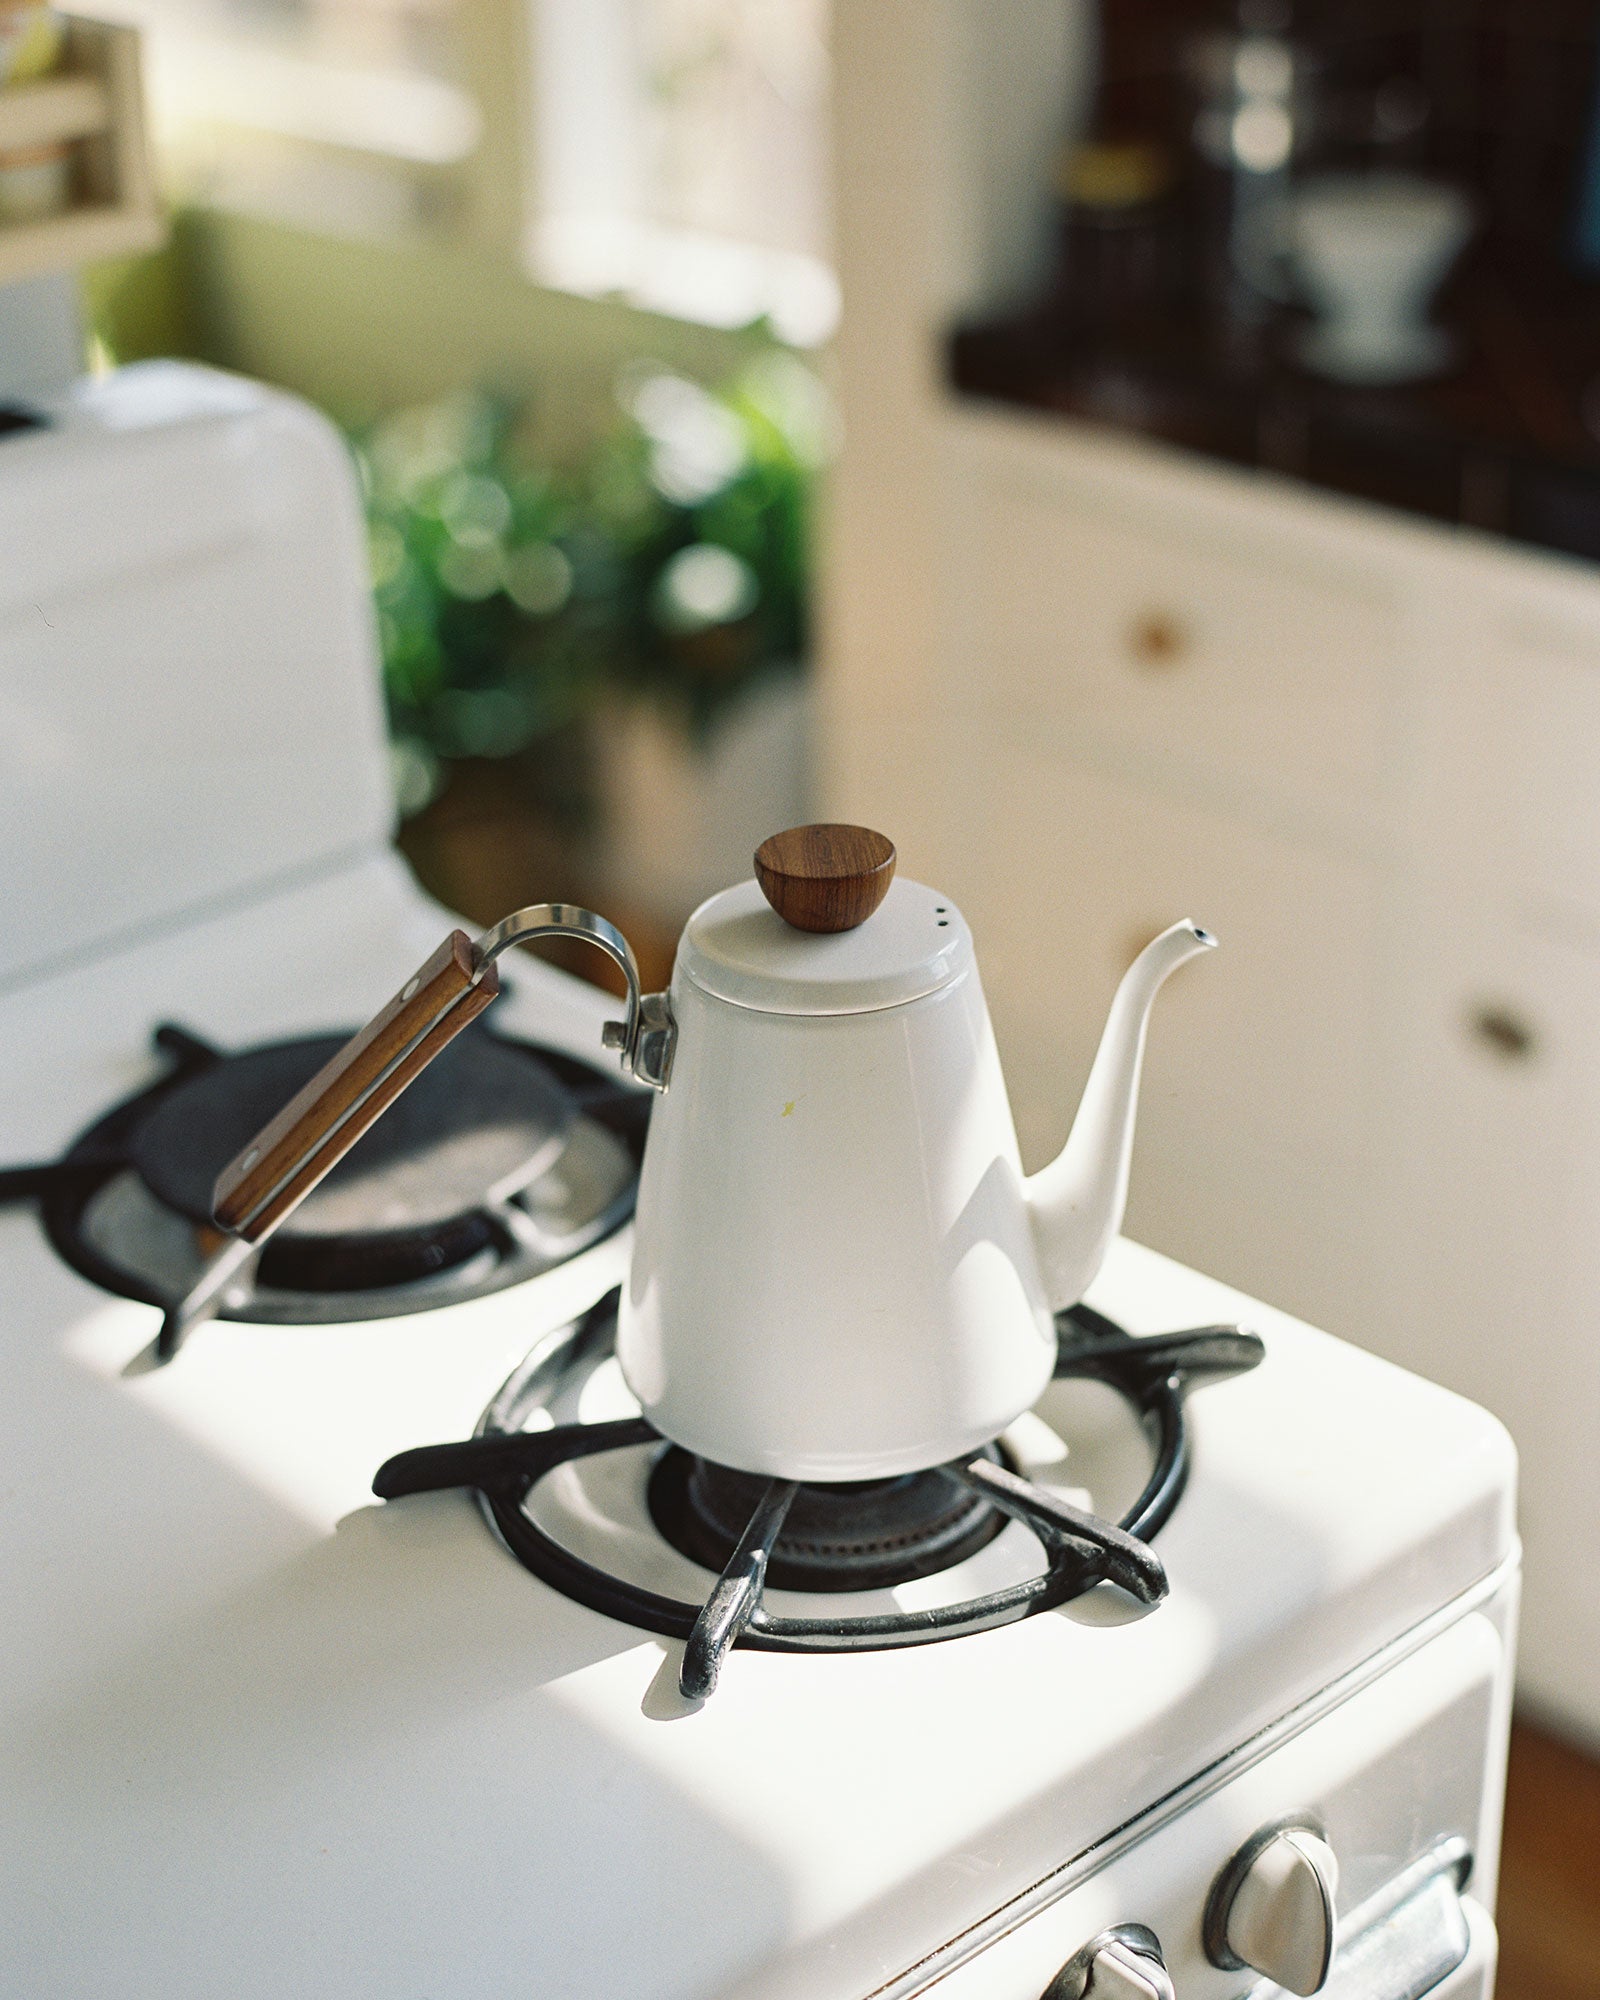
1550 1873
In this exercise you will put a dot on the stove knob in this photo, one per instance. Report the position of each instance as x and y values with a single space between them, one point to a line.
1123 1963
1271 1908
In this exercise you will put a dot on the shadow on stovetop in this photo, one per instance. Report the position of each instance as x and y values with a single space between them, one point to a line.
404 1617
329 1776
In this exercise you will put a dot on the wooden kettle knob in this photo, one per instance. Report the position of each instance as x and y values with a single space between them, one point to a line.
825 878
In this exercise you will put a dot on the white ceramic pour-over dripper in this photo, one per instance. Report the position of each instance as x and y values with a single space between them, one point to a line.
1370 252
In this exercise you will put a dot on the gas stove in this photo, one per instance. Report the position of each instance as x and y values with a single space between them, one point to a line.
1196 1678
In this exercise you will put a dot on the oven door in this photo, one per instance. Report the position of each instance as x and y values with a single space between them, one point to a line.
1401 1779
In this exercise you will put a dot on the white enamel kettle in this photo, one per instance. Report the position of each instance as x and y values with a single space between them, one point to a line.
840 1270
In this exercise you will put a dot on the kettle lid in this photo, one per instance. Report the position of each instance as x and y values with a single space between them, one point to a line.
824 929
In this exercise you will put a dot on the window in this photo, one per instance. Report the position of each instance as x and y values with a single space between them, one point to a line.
679 148
338 113
671 152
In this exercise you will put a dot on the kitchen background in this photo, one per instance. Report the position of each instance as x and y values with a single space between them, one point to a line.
1139 458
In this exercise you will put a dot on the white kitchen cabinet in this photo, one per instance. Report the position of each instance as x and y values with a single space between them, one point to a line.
1155 633
1262 1067
1078 870
1519 741
1380 1102
1090 684
1137 803
1499 1131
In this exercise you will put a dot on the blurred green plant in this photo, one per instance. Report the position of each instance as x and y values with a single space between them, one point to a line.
514 596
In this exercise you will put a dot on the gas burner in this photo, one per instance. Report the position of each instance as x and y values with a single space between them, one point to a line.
861 1534
739 1526
502 1161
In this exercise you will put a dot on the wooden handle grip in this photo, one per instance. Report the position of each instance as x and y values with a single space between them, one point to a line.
324 1119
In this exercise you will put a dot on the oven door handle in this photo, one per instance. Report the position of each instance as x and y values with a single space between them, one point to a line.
1409 1938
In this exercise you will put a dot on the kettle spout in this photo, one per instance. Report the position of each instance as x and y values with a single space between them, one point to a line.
1076 1203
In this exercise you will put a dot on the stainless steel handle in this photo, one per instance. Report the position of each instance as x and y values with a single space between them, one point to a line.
1408 1938
647 1037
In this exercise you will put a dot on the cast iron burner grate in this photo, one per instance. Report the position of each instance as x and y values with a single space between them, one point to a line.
502 1160
504 1463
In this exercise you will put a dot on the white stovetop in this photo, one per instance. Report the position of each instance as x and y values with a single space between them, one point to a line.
263 1736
